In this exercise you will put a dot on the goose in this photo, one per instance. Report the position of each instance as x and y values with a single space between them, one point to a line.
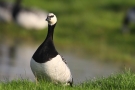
5 11
129 17
46 63
29 18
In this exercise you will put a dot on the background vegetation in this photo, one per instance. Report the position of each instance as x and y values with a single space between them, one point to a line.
90 28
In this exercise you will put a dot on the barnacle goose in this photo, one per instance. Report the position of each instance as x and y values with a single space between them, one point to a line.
129 17
47 63
5 11
29 18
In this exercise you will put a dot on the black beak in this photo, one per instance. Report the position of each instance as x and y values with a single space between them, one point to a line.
48 19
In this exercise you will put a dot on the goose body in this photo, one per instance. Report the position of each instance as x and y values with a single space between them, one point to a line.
129 18
46 62
29 18
6 11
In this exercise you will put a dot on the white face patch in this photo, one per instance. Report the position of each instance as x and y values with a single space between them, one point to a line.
51 18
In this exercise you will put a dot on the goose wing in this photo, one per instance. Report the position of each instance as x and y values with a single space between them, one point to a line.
64 60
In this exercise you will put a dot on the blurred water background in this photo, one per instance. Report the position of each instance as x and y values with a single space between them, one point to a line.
15 63
88 34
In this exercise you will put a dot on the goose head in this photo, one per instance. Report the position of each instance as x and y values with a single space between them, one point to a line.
51 19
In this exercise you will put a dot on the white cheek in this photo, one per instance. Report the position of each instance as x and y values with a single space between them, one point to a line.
53 21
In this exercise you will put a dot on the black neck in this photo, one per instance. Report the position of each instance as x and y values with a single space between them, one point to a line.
16 8
46 50
50 31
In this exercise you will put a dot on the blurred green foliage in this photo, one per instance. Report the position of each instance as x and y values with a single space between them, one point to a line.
91 27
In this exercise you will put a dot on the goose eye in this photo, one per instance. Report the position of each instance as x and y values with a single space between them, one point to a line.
52 16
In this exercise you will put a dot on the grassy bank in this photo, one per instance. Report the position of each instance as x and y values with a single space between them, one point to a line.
123 81
85 27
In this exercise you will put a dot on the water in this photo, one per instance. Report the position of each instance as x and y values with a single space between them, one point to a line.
15 63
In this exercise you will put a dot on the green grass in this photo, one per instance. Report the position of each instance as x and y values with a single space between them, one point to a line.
119 81
88 26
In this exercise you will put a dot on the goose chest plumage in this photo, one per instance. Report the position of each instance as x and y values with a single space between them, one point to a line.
47 63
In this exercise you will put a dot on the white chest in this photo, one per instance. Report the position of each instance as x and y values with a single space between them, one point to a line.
55 69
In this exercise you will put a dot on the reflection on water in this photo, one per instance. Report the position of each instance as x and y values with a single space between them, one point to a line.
15 63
